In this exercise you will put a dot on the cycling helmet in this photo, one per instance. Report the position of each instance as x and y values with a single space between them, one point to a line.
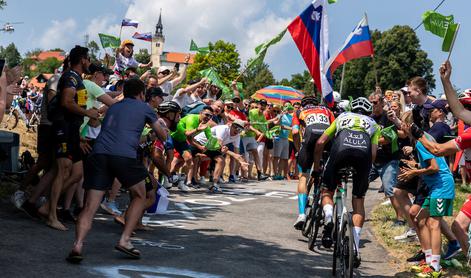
465 98
309 100
337 97
169 106
361 105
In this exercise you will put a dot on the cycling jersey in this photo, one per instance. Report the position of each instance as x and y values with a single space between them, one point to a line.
355 122
314 119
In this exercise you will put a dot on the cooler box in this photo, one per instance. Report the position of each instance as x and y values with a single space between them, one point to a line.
9 151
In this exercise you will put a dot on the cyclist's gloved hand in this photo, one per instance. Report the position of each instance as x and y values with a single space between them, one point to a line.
173 179
416 131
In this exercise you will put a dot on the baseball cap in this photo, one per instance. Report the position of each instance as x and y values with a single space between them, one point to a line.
405 89
126 42
155 92
239 123
263 102
99 68
228 102
162 69
437 104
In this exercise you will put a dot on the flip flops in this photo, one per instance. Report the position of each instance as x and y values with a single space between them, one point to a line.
132 252
74 257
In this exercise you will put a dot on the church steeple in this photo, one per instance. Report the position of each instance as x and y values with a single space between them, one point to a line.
159 28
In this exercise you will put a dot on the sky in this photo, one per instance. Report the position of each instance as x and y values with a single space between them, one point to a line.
247 23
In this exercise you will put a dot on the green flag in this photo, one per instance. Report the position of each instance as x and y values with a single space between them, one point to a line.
332 1
261 50
449 36
213 76
109 41
436 23
391 135
194 47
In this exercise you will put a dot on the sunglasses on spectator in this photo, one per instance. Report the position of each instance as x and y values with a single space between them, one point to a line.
229 107
238 128
207 115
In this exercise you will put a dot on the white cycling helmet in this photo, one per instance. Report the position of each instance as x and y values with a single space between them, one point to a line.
337 97
362 105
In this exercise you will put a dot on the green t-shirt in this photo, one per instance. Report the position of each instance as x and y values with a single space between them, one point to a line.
258 121
357 122
189 122
94 92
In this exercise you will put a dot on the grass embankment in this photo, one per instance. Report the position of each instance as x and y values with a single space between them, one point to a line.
382 218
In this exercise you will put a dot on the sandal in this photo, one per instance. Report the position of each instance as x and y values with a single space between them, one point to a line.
132 252
74 257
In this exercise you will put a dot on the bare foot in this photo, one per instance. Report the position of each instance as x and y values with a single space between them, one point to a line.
55 224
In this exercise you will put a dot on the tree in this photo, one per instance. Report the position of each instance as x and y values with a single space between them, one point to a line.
142 56
398 57
93 49
223 57
302 82
47 66
3 3
256 78
11 55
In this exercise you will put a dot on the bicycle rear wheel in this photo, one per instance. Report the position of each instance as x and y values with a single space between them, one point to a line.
336 220
316 220
346 247
307 229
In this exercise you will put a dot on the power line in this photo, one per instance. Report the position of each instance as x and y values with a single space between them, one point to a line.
436 8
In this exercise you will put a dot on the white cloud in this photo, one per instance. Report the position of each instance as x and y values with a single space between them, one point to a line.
61 34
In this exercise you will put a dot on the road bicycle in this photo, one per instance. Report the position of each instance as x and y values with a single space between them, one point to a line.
314 213
344 246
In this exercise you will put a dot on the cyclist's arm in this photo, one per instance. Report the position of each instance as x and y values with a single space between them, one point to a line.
447 148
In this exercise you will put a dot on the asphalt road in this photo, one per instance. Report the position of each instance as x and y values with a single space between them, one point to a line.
245 232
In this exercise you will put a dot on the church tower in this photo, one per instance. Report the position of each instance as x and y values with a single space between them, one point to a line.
157 42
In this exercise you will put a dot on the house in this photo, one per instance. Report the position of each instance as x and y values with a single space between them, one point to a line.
59 55
169 59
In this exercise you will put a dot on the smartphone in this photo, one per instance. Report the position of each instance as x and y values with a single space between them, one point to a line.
2 64
177 66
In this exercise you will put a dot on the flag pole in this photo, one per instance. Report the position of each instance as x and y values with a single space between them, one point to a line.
372 58
341 80
453 41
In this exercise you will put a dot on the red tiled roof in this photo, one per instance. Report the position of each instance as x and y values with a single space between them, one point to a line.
50 54
176 57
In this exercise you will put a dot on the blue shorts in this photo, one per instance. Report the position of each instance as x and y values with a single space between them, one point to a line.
388 173
168 145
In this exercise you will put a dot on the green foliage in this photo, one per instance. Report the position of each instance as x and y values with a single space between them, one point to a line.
223 57
48 65
34 52
398 57
93 51
3 3
256 78
142 56
11 55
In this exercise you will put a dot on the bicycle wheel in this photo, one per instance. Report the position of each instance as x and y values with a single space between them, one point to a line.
318 222
346 247
11 121
308 210
336 220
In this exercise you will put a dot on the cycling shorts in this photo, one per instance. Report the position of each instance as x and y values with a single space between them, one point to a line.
306 152
349 149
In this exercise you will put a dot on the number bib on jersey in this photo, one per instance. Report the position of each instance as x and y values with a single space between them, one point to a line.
312 119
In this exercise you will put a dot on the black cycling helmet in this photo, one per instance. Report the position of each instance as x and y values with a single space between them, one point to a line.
169 106
309 100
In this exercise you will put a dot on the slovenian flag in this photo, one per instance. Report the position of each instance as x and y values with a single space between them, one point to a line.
357 45
143 36
129 22
311 34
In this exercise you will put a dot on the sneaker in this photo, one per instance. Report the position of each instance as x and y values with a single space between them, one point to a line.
215 188
202 181
327 235
165 183
262 177
193 184
417 258
183 187
398 223
299 224
409 235
454 249
30 209
18 198
429 272
232 179
110 207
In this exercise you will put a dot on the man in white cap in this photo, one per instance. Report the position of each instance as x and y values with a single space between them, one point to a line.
173 77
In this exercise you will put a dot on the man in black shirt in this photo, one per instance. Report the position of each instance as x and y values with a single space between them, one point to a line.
66 111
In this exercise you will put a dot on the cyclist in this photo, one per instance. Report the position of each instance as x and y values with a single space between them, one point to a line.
314 120
355 139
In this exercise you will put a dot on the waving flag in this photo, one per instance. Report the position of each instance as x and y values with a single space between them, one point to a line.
143 36
358 44
202 50
129 22
261 50
311 35
109 41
